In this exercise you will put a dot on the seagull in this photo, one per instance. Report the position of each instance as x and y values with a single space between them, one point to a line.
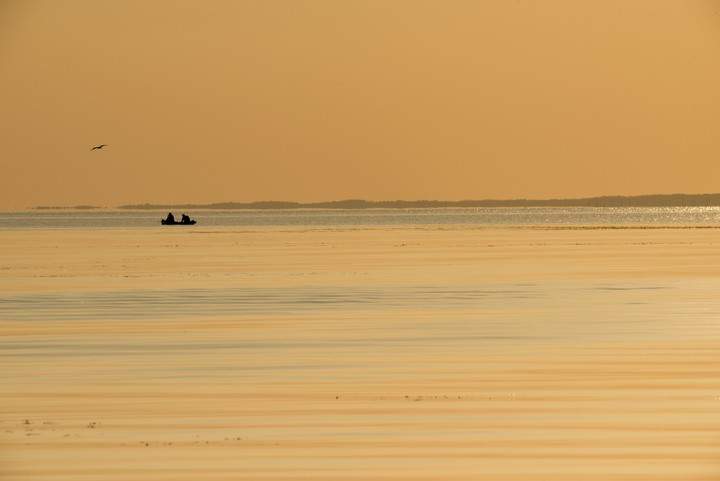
98 147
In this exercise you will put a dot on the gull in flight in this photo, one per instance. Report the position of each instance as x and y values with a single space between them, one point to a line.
98 147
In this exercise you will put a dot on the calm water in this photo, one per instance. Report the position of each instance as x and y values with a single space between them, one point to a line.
364 342
430 294
490 217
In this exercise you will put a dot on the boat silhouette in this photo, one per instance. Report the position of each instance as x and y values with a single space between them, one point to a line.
167 222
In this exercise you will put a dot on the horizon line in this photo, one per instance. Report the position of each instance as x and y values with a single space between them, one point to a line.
645 200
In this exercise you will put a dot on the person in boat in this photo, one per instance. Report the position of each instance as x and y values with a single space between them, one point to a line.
185 219
170 218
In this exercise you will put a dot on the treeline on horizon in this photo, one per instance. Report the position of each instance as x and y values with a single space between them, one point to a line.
659 200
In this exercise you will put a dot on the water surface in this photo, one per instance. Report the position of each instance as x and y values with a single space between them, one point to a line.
443 344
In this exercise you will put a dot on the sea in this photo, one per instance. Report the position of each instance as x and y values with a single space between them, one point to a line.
475 217
424 344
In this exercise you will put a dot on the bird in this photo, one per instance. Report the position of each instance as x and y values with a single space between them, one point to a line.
98 147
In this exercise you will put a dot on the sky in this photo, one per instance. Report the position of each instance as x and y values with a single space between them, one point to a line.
203 101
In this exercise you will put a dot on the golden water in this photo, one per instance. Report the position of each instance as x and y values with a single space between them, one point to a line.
340 353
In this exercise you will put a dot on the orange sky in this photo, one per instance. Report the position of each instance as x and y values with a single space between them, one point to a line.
309 100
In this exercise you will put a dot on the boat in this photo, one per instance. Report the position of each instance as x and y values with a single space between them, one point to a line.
165 222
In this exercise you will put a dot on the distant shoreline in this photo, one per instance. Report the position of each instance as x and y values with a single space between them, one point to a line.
660 200
657 200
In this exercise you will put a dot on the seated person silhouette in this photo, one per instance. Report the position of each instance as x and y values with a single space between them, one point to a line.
185 219
170 218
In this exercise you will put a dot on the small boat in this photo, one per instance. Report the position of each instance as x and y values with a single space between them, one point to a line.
165 222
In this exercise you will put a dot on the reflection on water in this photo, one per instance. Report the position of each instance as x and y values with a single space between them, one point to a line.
190 303
416 353
491 217
588 310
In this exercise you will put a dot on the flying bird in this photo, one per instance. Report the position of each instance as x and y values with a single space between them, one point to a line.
98 147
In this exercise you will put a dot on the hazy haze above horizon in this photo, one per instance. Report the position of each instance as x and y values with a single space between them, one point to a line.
250 100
